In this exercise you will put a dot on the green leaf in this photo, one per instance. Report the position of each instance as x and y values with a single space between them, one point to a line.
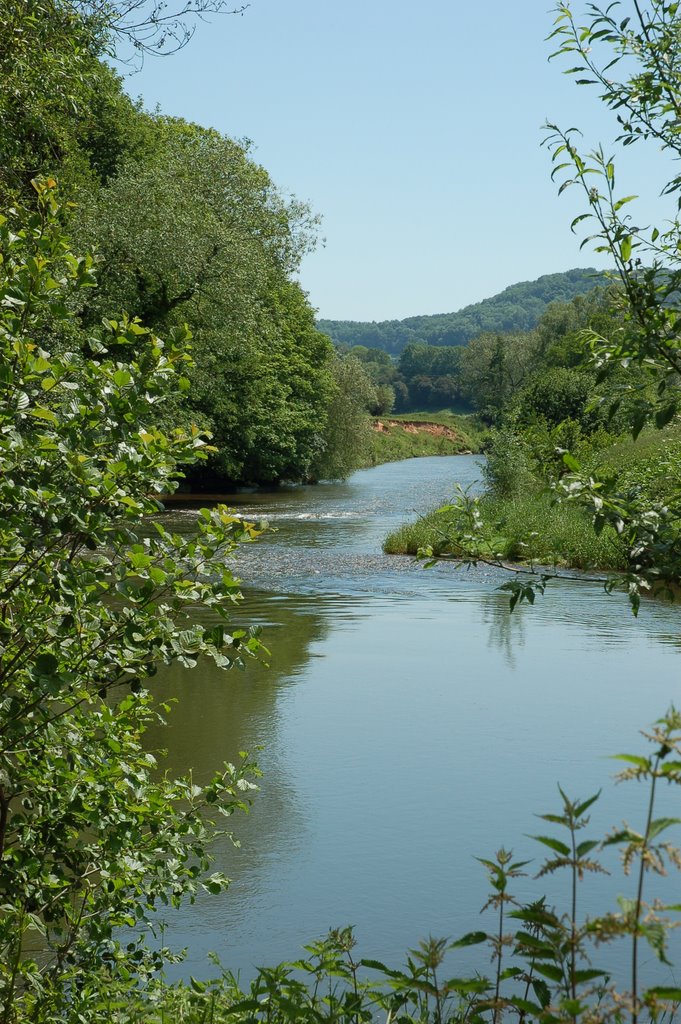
542 991
623 836
661 825
667 992
549 971
590 974
466 985
470 939
526 1006
581 809
639 762
665 415
43 414
376 965
553 844
46 664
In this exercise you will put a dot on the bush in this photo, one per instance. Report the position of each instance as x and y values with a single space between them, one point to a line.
92 837
508 471
555 395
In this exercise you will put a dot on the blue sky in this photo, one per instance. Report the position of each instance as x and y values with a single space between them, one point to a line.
414 129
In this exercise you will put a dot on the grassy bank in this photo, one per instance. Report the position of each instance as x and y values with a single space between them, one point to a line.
413 435
522 521
521 529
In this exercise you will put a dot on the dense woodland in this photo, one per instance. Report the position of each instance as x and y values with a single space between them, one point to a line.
490 373
186 228
555 404
517 308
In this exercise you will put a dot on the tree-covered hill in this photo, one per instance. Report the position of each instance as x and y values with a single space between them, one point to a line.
517 308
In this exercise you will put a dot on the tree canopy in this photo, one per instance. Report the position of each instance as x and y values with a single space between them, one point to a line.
517 308
187 229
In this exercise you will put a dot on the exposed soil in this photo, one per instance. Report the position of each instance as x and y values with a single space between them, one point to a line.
418 427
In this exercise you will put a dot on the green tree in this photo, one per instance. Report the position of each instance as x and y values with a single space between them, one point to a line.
46 69
494 367
94 593
196 231
347 436
633 58
632 53
555 395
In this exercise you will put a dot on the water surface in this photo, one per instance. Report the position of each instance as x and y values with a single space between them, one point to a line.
408 723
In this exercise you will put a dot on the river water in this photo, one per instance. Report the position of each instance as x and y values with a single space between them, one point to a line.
407 724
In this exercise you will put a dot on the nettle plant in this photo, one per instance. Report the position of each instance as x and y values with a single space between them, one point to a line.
535 962
93 595
631 52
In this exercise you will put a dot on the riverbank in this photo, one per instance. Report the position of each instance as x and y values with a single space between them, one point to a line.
531 528
415 435
520 519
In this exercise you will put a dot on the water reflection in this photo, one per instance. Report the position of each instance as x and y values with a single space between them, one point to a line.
506 632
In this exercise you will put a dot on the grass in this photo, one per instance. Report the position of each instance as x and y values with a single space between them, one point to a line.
528 528
651 462
533 527
445 417
521 521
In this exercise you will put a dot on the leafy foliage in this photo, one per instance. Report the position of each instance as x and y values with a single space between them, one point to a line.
348 430
186 227
93 596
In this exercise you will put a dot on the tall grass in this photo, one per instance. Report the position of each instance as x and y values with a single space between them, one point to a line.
521 519
527 527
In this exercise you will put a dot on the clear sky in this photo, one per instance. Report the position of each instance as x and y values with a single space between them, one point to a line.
414 129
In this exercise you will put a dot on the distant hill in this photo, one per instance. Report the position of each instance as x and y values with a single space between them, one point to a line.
517 308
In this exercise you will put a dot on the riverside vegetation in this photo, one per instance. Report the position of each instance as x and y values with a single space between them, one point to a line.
278 400
94 840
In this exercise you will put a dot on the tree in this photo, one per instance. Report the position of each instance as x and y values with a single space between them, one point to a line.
197 231
347 435
494 367
93 594
135 28
46 69
634 61
554 395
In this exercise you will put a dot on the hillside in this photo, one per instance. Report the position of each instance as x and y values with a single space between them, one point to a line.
517 308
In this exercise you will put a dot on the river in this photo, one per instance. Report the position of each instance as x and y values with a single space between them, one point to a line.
407 724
